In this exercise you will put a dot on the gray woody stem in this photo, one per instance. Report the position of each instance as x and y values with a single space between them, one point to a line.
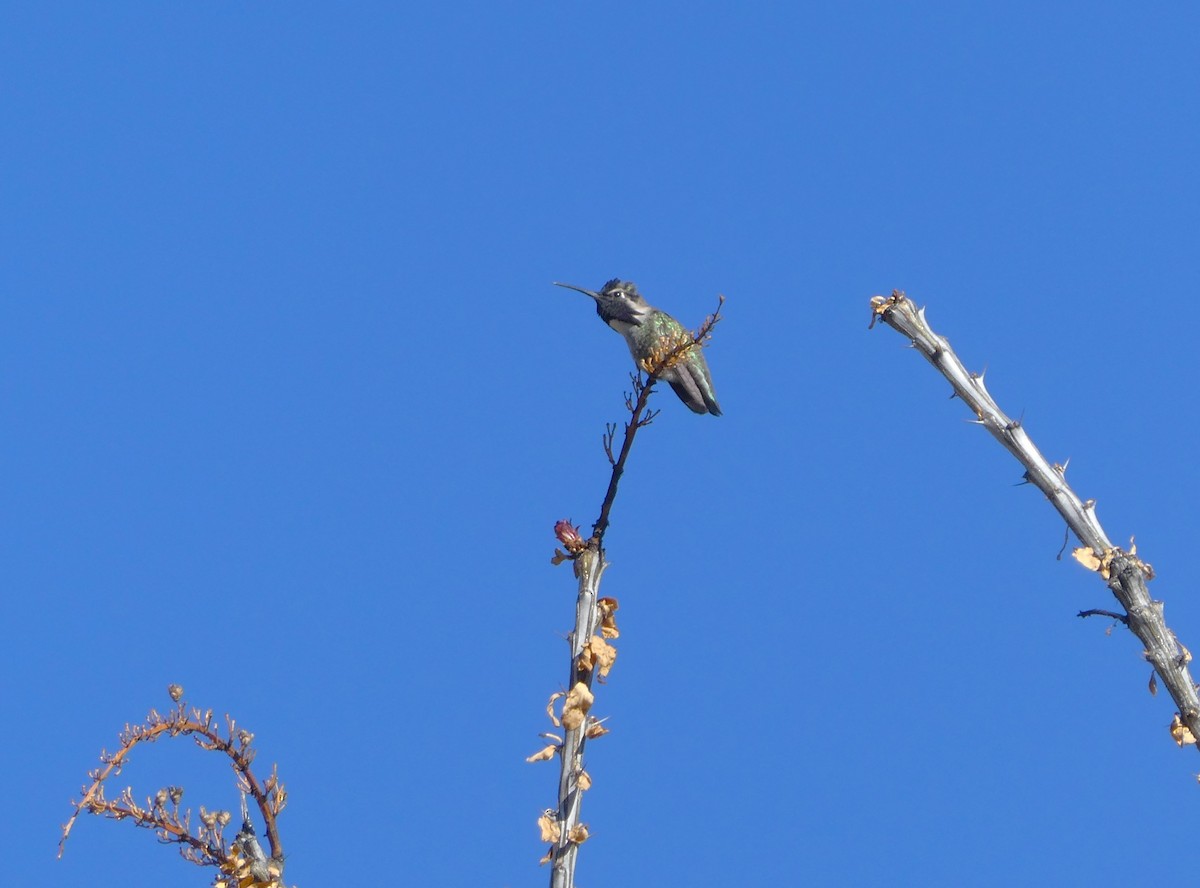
1126 574
589 566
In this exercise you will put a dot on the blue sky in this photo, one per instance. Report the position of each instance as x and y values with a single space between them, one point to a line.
292 408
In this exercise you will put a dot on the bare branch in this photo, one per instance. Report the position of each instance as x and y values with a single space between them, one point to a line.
1125 574
206 846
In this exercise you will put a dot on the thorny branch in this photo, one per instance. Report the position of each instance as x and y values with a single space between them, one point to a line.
1125 573
591 654
206 845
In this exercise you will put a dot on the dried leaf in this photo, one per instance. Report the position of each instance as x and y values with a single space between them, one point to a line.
880 305
596 729
550 708
544 754
1085 556
1180 732
584 781
575 709
608 622
603 654
549 856
549 826
1153 684
596 651
578 833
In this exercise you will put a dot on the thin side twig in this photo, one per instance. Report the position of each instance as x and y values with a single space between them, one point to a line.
1125 573
1098 612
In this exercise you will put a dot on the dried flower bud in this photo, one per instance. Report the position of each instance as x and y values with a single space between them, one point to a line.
176 794
176 692
568 535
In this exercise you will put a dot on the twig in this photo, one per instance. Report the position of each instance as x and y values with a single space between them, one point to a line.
610 432
1097 612
1124 572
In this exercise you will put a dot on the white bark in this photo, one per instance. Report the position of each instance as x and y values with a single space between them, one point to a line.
1125 573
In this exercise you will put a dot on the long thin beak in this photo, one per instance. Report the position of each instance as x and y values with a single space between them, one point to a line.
579 289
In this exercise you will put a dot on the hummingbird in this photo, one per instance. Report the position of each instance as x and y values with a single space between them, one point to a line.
652 335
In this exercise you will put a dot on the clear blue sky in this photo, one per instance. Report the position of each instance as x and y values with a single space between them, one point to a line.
291 409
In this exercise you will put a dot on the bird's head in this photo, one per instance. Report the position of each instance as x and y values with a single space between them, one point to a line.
617 301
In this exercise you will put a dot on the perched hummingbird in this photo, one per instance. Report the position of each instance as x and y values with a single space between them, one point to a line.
652 335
